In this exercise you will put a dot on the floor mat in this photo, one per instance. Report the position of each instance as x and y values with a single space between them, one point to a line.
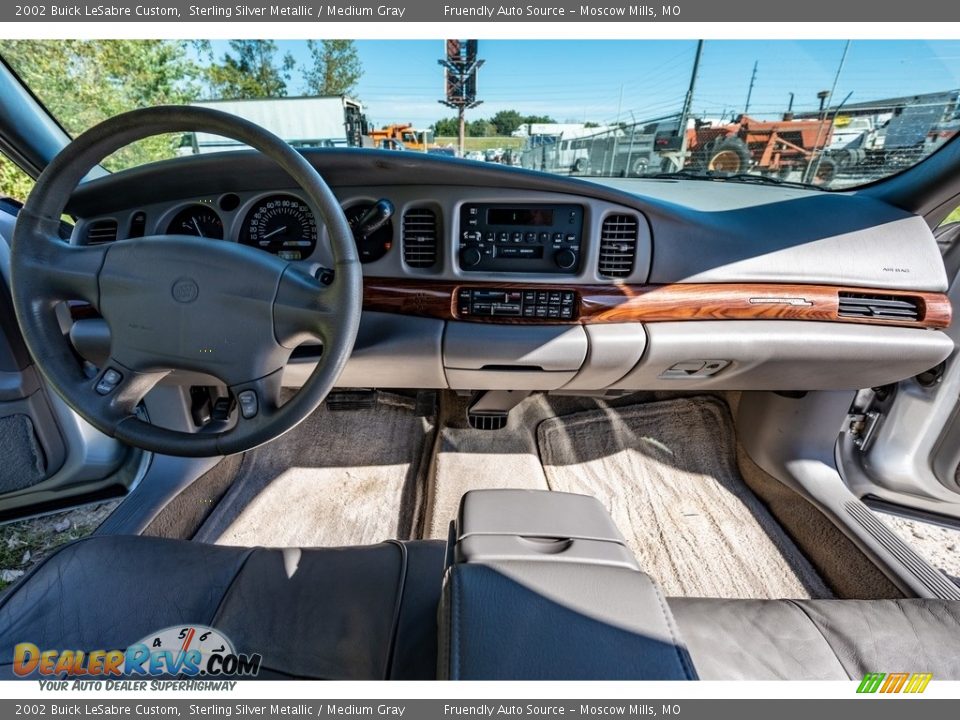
667 472
339 478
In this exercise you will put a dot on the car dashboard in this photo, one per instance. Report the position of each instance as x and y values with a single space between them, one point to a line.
478 277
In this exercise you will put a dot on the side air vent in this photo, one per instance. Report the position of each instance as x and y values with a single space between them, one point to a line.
420 238
618 246
879 307
101 231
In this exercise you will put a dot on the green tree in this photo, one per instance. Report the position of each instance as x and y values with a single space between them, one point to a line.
481 128
83 82
251 69
538 119
14 182
447 127
506 121
335 67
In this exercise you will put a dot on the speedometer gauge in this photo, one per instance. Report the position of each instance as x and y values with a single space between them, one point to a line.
283 225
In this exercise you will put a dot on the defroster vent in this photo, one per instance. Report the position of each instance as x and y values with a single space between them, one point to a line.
618 246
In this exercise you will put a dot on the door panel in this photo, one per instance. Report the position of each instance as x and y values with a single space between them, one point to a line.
50 458
904 444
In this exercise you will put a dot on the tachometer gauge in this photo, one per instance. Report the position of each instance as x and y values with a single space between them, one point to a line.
197 220
282 225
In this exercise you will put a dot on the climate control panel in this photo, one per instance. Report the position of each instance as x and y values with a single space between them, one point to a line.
541 238
520 303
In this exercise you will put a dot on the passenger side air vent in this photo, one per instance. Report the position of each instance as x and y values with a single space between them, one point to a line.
879 307
101 231
618 246
420 238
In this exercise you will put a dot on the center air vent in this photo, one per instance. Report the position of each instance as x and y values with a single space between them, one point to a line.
420 238
101 231
618 246
879 307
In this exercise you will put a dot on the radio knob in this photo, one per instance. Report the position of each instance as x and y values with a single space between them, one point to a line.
565 259
470 257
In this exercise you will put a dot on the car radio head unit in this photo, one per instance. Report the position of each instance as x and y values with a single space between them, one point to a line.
528 238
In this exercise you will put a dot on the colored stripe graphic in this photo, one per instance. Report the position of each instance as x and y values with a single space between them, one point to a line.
918 682
894 683
871 682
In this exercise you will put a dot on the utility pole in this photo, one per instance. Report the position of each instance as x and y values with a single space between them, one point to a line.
813 167
753 79
460 71
687 104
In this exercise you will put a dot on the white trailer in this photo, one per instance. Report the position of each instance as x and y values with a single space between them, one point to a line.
304 122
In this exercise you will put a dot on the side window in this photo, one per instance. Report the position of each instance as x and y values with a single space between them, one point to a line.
953 217
14 182
948 238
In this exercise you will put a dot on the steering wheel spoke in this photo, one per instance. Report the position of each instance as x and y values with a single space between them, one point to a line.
258 401
60 271
116 391
304 309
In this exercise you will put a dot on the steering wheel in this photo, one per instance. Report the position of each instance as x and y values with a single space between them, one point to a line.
177 302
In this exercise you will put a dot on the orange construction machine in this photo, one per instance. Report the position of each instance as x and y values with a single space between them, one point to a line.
776 147
402 137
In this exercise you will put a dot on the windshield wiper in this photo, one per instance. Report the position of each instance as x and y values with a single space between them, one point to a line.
689 174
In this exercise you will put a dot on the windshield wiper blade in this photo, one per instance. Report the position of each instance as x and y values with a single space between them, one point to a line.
767 180
689 174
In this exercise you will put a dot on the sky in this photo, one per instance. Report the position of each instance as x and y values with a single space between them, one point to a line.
605 80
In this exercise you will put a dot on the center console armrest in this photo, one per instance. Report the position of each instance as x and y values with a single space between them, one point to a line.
540 585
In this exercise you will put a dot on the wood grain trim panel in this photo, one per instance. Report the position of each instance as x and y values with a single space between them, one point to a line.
620 303
644 303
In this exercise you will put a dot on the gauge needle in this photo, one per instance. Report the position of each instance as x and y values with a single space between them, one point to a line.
282 228
197 226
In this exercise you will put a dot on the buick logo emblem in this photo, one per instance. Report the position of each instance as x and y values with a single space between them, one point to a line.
185 290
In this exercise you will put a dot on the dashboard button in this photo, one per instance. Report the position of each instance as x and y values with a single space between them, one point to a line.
248 403
108 382
565 259
469 257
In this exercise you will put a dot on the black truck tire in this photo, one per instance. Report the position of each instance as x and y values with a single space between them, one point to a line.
729 156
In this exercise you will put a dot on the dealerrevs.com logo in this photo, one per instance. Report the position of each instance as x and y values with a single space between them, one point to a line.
191 651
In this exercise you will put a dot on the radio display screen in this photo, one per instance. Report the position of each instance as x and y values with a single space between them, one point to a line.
519 216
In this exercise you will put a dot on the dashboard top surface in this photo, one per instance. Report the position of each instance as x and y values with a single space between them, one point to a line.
691 230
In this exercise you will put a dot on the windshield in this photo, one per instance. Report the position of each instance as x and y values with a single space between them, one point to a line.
832 114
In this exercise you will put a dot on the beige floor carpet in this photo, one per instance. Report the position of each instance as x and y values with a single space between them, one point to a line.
468 459
667 472
339 478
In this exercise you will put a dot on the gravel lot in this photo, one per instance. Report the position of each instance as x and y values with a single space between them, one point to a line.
26 542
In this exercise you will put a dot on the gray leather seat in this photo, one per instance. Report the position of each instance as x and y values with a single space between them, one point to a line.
371 613
819 639
328 613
